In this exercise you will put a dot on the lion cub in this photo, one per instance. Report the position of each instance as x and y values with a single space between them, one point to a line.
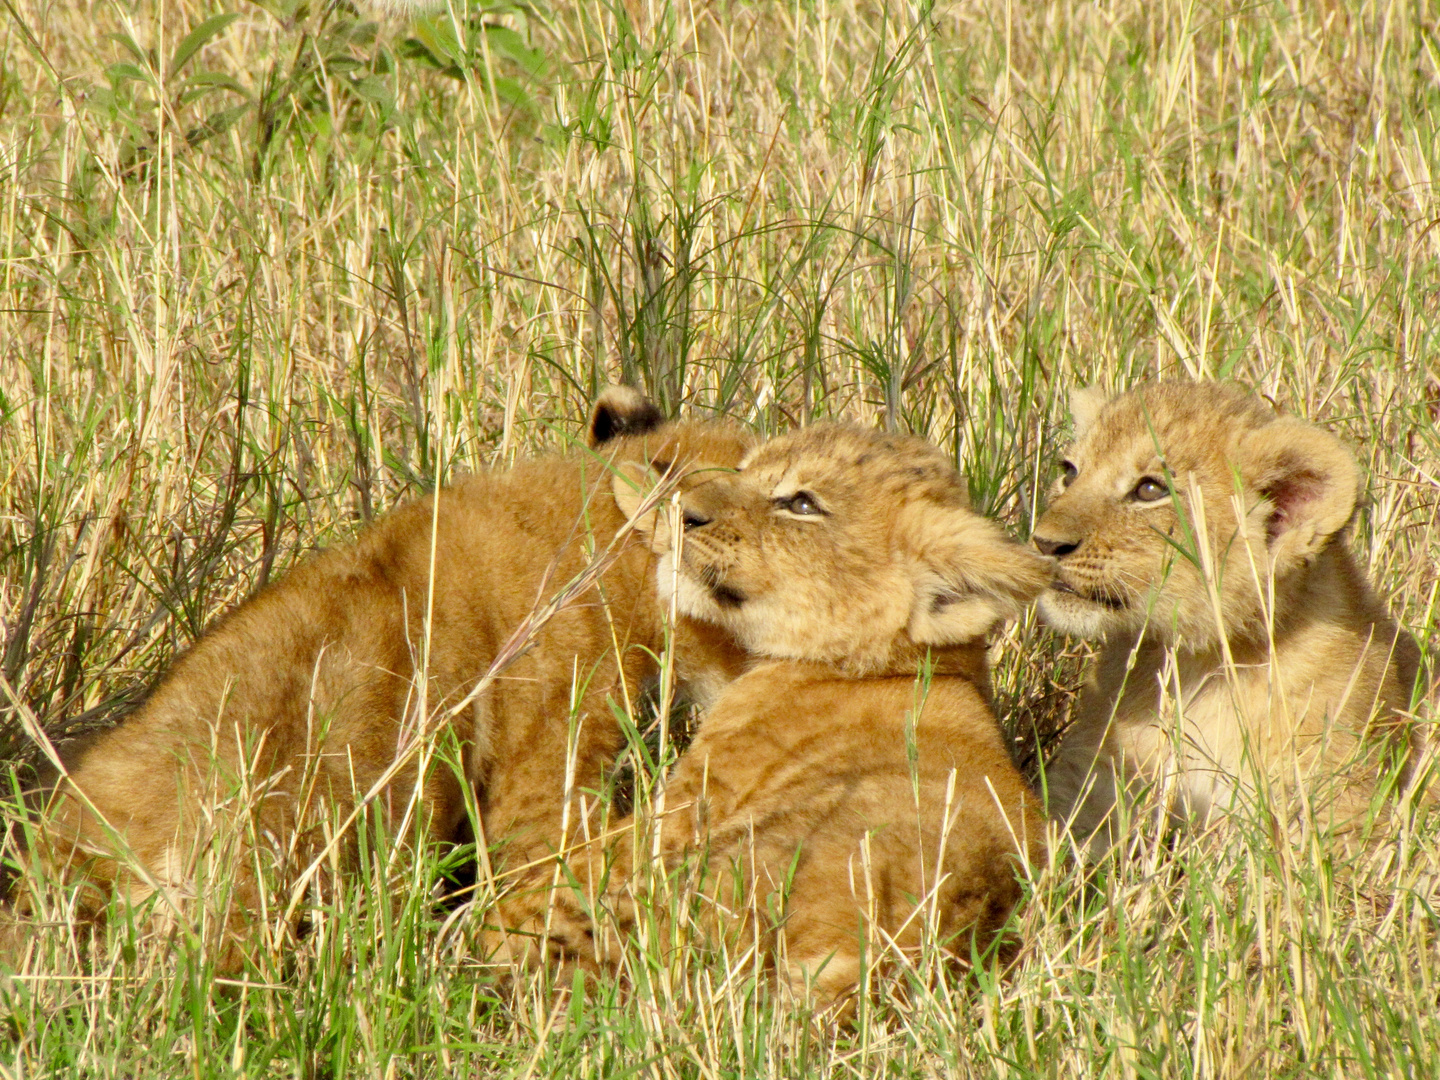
853 786
332 687
1201 536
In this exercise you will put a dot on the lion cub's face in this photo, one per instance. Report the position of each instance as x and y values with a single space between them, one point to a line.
1176 483
838 545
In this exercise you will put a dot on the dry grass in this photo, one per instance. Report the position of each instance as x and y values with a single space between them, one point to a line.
260 293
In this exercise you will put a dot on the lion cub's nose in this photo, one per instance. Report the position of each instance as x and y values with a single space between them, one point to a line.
693 519
1058 548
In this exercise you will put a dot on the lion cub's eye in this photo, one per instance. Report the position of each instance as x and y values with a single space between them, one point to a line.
802 504
1150 490
1068 472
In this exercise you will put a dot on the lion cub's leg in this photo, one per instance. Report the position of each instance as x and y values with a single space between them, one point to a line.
193 846
1080 781
1103 756
225 828
540 799
561 911
826 978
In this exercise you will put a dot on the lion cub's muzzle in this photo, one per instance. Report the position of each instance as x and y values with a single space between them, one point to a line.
1056 548
1095 594
1059 535
707 548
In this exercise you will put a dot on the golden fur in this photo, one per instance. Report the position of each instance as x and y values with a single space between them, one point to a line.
844 807
342 681
1226 586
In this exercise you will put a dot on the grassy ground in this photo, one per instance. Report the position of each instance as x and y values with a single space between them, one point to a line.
270 268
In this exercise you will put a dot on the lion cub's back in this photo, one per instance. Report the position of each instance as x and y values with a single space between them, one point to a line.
353 613
324 655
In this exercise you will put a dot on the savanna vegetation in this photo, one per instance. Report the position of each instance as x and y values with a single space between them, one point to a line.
271 268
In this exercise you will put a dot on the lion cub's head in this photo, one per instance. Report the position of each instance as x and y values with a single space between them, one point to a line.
1178 482
838 545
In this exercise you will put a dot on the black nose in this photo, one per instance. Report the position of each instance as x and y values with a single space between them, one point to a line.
693 519
1058 548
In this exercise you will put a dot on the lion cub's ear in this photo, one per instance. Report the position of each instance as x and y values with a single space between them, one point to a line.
1309 479
632 482
1085 405
970 577
622 410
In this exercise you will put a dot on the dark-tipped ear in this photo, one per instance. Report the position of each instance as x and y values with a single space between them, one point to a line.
971 576
1085 405
622 410
1309 482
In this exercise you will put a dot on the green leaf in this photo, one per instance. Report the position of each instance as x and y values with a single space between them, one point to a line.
507 43
197 86
133 49
439 40
217 79
123 73
101 99
373 89
511 91
215 124
415 49
194 41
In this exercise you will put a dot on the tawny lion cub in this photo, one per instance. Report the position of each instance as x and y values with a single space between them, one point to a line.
853 784
333 686
1201 536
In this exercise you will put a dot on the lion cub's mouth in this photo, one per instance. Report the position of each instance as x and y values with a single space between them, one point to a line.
1095 596
727 596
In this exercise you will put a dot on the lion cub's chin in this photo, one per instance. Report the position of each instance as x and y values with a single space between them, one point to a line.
1090 619
690 597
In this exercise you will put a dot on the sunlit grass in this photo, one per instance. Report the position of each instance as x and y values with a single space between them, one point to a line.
266 277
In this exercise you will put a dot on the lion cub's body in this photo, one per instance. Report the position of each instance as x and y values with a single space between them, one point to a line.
301 701
1244 649
870 815
851 795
